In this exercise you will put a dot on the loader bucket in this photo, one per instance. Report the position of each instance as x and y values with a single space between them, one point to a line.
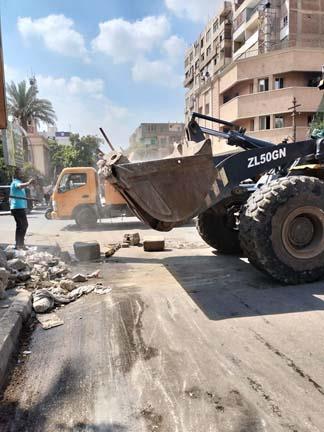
167 192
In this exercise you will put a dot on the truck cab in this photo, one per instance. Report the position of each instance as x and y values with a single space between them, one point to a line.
79 195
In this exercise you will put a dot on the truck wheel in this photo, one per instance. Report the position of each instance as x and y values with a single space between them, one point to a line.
282 229
217 227
48 213
86 218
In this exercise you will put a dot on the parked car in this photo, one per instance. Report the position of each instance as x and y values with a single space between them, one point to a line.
4 199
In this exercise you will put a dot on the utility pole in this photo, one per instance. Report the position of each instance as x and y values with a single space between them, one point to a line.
293 115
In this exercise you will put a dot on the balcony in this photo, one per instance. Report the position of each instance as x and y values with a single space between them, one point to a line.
277 135
276 62
247 45
271 102
189 77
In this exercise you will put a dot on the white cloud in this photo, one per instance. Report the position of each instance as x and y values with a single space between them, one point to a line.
57 33
82 105
125 41
174 47
156 72
193 9
11 74
72 86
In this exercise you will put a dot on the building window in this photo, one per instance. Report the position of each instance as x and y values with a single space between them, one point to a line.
197 64
263 84
285 21
202 57
278 121
207 109
264 122
215 26
221 38
200 110
202 42
208 52
251 89
208 36
252 125
279 83
309 120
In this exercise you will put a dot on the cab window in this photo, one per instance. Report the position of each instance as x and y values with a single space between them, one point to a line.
72 181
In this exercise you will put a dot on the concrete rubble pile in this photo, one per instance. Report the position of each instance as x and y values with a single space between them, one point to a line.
46 275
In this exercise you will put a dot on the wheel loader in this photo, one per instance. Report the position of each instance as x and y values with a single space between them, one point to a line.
263 201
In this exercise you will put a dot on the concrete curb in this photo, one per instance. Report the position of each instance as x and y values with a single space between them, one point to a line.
10 328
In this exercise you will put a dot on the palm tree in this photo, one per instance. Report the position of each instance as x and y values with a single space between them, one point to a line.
24 105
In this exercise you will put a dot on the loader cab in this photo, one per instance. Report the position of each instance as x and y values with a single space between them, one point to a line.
75 188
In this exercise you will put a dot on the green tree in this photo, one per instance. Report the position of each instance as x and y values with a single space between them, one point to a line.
82 152
24 104
5 171
318 119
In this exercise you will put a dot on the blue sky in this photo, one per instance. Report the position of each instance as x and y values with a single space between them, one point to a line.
109 63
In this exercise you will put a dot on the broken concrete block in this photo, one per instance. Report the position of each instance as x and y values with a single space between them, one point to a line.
23 276
154 244
10 252
65 256
87 251
132 239
111 249
79 277
94 275
16 264
67 285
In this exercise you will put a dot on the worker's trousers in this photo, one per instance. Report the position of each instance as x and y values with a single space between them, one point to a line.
21 226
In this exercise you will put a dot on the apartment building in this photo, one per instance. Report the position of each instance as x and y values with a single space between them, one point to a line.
270 52
155 140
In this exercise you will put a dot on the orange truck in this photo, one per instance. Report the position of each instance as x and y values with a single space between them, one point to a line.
79 195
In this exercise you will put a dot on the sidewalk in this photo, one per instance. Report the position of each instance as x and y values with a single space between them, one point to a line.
14 311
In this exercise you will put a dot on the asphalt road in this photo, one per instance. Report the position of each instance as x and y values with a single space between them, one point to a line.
186 341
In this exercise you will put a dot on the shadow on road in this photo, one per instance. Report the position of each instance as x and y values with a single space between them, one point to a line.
35 417
227 287
113 226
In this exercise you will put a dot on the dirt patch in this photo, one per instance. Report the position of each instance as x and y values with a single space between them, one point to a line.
152 419
9 396
291 364
130 327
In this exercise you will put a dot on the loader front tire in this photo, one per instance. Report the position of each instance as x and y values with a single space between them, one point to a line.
217 227
282 229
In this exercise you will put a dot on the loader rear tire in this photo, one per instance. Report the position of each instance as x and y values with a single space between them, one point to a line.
282 229
216 226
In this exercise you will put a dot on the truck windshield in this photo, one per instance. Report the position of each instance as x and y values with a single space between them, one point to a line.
72 181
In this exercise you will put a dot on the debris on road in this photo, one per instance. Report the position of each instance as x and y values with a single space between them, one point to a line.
45 275
49 321
45 300
154 244
16 264
89 251
95 275
112 249
67 284
79 277
132 239
4 279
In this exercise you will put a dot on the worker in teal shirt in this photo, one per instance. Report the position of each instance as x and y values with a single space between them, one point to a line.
18 205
